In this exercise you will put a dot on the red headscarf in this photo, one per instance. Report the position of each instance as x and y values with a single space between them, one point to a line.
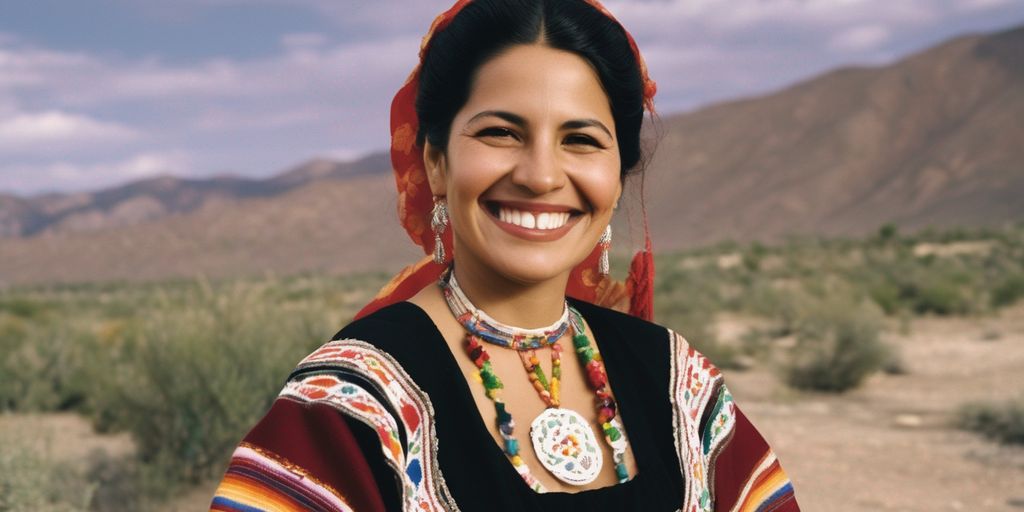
415 203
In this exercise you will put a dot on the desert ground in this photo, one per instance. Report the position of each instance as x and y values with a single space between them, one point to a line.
889 445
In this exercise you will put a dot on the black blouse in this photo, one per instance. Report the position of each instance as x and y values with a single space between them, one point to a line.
476 470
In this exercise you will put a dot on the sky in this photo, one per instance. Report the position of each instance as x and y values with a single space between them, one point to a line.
95 93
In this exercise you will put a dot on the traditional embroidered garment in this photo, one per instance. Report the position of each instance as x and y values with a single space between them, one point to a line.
383 419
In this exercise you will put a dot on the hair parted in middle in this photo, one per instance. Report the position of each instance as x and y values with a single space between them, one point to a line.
485 28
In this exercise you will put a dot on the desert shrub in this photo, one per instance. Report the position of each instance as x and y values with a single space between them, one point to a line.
1008 291
1003 422
31 480
941 296
787 307
23 307
188 383
886 295
39 361
686 301
119 485
838 346
887 233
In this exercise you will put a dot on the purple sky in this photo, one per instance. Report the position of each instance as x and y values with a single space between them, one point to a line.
99 92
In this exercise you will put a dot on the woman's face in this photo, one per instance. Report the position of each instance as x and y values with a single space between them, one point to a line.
531 172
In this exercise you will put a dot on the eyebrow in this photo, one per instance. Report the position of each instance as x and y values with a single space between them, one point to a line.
520 121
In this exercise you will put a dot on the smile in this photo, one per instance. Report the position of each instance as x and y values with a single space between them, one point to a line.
528 220
533 221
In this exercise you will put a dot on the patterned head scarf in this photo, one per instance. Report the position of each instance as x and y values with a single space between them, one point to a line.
415 203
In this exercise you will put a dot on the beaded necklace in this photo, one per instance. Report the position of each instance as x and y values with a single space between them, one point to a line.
562 439
493 331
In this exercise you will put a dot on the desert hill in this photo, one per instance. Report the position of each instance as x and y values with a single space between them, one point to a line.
934 139
158 197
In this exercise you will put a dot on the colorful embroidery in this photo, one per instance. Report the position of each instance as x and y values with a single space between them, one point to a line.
694 382
718 431
364 383
695 385
415 463
257 480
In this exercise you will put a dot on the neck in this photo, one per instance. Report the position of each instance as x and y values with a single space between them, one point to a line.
524 305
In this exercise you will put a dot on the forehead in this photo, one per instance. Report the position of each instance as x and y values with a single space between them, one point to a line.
536 80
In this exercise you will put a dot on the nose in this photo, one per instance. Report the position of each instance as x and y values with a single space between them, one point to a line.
539 170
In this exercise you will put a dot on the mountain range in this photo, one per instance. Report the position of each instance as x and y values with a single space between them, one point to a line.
934 139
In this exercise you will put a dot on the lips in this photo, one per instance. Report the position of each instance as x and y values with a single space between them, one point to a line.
533 221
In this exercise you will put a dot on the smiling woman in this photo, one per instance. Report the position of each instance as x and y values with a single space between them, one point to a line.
510 145
532 141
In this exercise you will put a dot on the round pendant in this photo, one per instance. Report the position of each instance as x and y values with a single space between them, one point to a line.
566 446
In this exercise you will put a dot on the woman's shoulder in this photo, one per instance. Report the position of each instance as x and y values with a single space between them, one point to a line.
390 323
388 331
376 347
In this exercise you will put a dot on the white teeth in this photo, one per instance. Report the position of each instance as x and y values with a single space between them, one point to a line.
529 220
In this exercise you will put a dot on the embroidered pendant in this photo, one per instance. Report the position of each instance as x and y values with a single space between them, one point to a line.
566 446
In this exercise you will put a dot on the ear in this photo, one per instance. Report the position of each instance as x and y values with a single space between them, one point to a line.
618 196
436 165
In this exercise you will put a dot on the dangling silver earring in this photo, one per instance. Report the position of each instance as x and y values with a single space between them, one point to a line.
438 224
605 242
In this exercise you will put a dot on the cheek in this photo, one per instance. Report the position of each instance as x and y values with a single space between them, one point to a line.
599 184
473 174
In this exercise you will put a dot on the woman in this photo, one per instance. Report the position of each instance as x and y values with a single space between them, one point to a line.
450 391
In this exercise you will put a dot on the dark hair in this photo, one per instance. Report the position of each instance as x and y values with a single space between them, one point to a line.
485 28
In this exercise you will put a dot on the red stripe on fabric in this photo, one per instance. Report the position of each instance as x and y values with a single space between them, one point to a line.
737 462
317 438
264 491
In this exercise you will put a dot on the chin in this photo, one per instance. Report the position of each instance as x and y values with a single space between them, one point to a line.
534 268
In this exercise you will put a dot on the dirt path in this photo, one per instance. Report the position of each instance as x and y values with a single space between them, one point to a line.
889 445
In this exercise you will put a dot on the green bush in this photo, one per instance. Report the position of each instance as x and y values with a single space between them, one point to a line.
788 307
188 383
1008 291
1002 422
31 480
39 361
939 297
838 346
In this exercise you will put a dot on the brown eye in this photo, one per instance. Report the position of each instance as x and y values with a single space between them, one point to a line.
585 140
496 131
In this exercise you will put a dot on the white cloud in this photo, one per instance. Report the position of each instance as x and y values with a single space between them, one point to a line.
66 175
860 38
56 130
308 67
343 154
255 113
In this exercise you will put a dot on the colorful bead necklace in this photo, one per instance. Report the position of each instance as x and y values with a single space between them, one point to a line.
493 331
562 439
